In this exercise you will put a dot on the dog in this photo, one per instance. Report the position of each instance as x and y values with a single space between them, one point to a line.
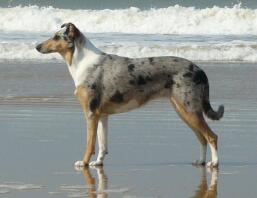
107 84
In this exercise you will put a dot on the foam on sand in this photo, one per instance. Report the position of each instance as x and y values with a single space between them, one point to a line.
9 187
20 186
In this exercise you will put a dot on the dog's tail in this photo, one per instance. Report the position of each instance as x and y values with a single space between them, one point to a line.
208 110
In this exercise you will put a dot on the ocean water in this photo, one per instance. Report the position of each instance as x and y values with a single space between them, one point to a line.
223 31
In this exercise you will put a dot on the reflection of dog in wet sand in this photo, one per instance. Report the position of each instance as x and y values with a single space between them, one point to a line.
100 189
96 190
205 191
107 84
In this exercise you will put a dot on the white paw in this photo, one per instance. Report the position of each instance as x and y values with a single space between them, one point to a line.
96 163
79 165
213 164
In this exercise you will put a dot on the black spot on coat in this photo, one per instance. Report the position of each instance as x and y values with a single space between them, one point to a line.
148 78
141 80
117 97
94 104
131 67
200 77
150 60
188 74
110 57
191 67
132 82
169 84
168 75
93 86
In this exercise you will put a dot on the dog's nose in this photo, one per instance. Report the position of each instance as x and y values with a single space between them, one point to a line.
38 47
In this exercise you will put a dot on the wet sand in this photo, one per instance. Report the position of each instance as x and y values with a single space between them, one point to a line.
150 149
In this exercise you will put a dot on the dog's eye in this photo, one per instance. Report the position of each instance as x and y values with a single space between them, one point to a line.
56 37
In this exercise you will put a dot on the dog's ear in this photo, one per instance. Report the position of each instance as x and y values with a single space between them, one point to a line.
71 30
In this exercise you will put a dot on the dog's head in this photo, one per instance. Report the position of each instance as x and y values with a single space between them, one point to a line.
62 42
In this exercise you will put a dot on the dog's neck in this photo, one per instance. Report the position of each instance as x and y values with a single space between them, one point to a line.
84 57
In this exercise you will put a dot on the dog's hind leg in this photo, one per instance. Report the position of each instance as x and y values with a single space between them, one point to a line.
212 140
196 122
102 141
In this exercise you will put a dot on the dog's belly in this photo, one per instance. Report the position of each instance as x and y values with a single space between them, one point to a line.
132 104
113 108
133 101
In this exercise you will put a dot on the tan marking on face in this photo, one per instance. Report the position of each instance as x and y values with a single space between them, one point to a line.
60 46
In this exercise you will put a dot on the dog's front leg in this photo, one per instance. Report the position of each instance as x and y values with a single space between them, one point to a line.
92 123
92 119
102 141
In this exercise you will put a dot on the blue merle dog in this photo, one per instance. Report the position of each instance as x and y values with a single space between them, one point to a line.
107 84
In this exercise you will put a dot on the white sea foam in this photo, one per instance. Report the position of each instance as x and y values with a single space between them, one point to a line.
172 20
118 190
4 191
22 51
73 187
230 32
20 186
77 195
196 52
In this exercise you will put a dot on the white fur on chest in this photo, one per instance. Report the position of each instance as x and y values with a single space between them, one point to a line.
83 59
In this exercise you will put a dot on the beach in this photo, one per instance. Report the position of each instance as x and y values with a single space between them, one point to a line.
150 149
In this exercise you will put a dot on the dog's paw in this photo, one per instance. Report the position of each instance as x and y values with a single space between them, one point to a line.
213 164
79 165
96 163
199 163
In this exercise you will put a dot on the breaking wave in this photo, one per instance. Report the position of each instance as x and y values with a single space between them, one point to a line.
218 52
209 34
172 20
